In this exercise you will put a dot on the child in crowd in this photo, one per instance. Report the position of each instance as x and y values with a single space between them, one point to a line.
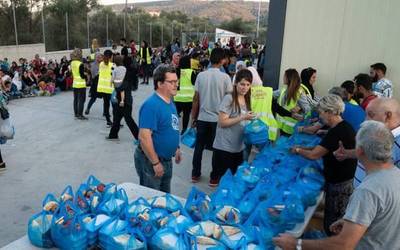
118 75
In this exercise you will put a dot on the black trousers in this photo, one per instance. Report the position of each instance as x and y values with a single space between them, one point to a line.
79 101
222 161
204 140
185 108
106 106
126 113
1 157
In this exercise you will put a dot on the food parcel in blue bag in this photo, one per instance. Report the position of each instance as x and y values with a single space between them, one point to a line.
230 190
189 137
117 235
256 133
115 205
167 239
93 223
177 222
67 194
198 205
167 202
308 185
205 235
39 232
67 228
50 204
80 200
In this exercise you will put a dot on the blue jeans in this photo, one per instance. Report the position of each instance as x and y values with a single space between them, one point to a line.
145 170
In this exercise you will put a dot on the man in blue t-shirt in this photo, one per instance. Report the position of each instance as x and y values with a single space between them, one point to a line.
159 132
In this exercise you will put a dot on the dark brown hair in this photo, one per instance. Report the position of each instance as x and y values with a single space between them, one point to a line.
293 84
240 75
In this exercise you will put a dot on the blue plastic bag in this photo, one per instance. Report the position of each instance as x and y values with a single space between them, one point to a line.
179 223
111 228
115 206
256 133
198 205
167 202
93 223
67 194
167 239
50 203
135 209
131 239
39 230
189 137
67 228
80 200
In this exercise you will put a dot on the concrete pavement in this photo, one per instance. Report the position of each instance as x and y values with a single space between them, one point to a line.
51 150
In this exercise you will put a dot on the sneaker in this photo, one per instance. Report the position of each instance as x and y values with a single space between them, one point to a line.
195 179
109 124
82 117
213 183
2 166
108 138
87 111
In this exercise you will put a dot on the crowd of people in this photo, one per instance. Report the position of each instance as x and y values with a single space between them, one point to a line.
218 90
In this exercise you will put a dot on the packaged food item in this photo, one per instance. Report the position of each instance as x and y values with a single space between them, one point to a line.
39 230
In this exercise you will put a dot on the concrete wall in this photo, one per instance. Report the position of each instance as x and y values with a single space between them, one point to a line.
341 38
28 51
13 53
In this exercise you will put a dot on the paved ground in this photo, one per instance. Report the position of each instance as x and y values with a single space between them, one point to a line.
51 150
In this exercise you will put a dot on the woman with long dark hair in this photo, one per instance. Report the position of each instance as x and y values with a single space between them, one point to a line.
234 110
308 79
291 98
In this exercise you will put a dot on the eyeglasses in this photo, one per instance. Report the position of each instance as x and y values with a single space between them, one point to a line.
172 81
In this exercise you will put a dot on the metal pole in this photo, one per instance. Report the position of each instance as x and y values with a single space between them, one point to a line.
181 34
88 32
138 30
172 31
125 9
15 23
162 34
43 30
107 30
151 34
66 27
198 34
258 17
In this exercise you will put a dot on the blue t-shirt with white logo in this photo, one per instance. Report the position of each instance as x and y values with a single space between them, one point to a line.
162 119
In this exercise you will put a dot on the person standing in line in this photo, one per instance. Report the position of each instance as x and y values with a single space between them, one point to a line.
159 132
381 86
210 88
123 107
364 89
94 69
79 83
234 111
145 57
105 86
184 97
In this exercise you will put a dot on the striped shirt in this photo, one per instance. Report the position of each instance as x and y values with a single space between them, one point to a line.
360 170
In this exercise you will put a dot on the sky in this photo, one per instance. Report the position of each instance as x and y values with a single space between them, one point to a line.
107 2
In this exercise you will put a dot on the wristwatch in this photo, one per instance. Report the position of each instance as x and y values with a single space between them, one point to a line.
298 245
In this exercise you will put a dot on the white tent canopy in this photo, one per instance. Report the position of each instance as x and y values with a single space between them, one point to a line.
225 35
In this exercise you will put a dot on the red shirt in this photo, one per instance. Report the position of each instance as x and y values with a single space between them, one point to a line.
367 100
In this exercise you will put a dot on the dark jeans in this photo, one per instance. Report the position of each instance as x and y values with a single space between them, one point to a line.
146 72
204 140
222 161
185 108
106 106
145 170
79 101
337 197
126 113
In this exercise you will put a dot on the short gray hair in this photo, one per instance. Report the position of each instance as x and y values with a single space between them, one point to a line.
332 104
339 92
160 73
376 140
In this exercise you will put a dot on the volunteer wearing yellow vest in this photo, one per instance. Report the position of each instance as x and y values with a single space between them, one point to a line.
349 86
184 97
264 106
308 79
105 86
289 99
79 83
145 58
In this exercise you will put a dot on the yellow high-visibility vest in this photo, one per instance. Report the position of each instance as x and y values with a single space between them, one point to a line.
352 101
286 123
148 57
78 81
186 88
261 105
105 85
